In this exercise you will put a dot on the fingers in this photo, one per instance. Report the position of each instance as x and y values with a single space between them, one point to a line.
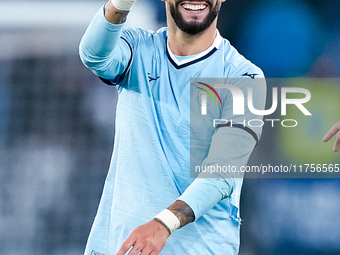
336 147
137 249
130 241
330 133
145 248
335 129
147 251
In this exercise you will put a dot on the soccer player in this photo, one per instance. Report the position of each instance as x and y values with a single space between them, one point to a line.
332 132
150 205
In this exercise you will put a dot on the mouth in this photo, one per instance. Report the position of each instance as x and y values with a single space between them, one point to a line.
193 16
194 6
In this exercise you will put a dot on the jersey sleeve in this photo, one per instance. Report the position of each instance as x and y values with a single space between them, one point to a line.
232 144
104 51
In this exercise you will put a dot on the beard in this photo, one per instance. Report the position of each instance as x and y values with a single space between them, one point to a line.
193 27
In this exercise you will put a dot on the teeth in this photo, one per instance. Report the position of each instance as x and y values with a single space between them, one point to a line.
194 7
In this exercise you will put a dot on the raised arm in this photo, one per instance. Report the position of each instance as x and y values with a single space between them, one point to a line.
102 49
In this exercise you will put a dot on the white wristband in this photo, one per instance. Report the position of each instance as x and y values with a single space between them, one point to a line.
123 5
169 219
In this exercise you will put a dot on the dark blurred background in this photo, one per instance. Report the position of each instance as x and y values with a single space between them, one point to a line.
57 124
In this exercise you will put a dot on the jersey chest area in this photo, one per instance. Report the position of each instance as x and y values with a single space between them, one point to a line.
162 87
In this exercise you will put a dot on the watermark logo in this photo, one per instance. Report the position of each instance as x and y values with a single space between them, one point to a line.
239 99
205 90
245 102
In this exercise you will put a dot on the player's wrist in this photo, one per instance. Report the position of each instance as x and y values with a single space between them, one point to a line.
168 219
123 5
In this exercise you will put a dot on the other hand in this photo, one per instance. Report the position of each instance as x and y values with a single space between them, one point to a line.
147 239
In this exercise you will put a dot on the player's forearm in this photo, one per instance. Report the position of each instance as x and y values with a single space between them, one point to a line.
99 40
203 194
102 49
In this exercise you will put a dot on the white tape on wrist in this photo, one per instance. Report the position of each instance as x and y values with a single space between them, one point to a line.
123 5
169 219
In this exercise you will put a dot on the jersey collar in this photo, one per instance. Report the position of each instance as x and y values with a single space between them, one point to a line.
197 57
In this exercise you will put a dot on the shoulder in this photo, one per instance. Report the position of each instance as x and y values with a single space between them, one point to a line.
236 65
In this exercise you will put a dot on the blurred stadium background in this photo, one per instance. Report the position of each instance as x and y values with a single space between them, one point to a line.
57 124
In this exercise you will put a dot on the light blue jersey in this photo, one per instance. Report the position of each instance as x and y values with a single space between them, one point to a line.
150 166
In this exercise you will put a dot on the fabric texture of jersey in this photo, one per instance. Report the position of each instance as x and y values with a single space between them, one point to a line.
154 139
